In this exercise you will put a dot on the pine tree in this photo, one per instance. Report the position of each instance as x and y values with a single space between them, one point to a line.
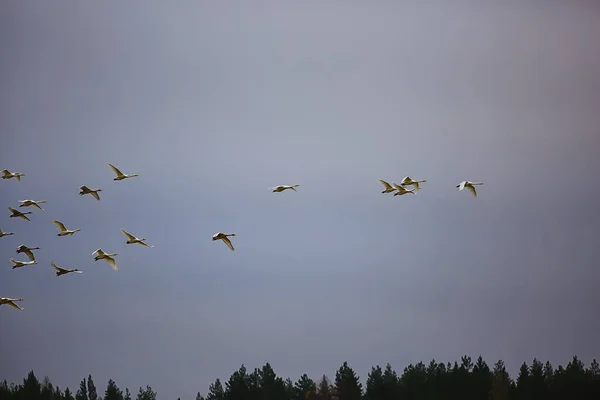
67 395
146 394
82 392
271 387
215 391
198 397
305 388
523 383
112 391
324 389
91 389
47 390
500 383
537 384
347 385
127 394
238 386
31 387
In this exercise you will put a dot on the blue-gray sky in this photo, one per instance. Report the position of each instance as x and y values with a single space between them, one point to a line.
214 102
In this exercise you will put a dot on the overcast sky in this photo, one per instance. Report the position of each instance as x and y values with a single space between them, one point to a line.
212 103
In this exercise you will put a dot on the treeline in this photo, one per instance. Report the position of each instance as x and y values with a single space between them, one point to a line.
435 381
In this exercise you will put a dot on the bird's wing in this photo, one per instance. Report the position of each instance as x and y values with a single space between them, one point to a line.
145 244
115 170
60 225
84 188
385 184
6 172
24 217
96 195
14 211
472 189
228 242
13 261
56 267
416 185
36 205
462 185
129 235
13 305
112 262
398 187
99 251
29 254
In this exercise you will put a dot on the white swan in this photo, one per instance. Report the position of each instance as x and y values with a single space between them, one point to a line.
28 203
63 231
223 236
132 239
86 190
119 175
108 257
387 186
469 185
400 190
19 264
62 271
407 181
2 233
6 174
11 302
27 250
281 188
17 213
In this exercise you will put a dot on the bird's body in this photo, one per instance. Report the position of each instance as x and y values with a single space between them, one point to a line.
29 203
132 239
19 214
2 233
86 190
62 271
108 257
469 185
119 175
223 236
400 190
27 251
10 302
281 188
387 187
63 231
19 264
407 181
6 174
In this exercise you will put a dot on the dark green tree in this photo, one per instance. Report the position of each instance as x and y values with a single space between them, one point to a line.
414 381
198 397
501 383
146 394
481 379
82 393
47 390
304 388
324 389
67 395
538 389
31 388
91 389
127 394
239 385
112 391
271 387
215 391
523 383
347 384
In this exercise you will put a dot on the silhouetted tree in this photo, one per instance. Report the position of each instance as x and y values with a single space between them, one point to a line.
31 387
500 382
238 386
347 385
146 394
324 389
271 387
82 392
91 389
215 391
198 397
68 395
112 391
127 394
305 388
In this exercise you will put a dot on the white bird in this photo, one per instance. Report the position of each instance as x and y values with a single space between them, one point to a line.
19 264
62 271
469 185
28 203
132 239
17 213
387 186
400 190
281 188
407 181
2 233
11 302
6 174
27 250
119 175
223 236
108 257
86 190
63 230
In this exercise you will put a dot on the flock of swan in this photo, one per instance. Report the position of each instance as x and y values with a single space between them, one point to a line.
99 254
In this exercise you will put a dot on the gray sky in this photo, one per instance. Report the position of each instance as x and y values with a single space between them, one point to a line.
213 103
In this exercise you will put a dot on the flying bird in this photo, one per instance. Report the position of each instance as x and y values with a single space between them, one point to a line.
281 188
27 250
132 239
400 190
17 213
108 257
63 231
119 175
2 233
6 174
10 302
224 238
29 203
19 264
86 190
407 181
62 271
469 185
387 186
